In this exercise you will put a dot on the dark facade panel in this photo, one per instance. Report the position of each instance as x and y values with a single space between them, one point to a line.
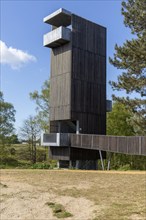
85 154
88 82
59 153
61 60
60 83
65 127
74 153
93 35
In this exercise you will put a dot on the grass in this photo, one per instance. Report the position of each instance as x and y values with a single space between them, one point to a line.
18 156
59 210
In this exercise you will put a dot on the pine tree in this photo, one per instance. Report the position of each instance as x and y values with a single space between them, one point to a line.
131 59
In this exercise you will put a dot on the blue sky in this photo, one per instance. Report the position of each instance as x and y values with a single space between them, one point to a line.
26 64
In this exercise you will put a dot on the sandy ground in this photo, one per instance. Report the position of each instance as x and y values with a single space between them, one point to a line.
24 194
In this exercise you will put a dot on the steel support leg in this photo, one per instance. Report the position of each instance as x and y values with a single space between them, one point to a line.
77 164
70 164
109 162
102 164
77 127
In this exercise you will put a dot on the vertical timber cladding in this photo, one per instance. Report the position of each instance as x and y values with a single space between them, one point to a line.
88 82
60 93
60 83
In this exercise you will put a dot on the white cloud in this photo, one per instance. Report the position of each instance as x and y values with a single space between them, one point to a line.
14 57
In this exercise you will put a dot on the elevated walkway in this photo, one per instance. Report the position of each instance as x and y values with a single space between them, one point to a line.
132 145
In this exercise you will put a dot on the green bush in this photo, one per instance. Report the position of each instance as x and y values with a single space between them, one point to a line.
10 161
43 165
125 167
12 151
53 164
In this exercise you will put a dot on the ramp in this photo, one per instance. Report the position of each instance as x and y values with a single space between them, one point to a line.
132 145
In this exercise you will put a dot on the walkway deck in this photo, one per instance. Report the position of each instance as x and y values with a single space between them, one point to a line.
132 145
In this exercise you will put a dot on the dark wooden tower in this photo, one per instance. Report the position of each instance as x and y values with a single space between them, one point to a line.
77 80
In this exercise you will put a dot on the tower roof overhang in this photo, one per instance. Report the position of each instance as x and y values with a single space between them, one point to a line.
59 18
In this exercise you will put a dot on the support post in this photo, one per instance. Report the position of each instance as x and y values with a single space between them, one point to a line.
77 164
58 165
59 126
77 127
101 159
109 161
70 164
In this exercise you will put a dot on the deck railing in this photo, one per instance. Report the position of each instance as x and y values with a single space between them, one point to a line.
133 145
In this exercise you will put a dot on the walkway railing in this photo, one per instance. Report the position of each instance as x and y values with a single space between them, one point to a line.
133 145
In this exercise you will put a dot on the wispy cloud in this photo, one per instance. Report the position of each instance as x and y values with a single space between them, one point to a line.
15 58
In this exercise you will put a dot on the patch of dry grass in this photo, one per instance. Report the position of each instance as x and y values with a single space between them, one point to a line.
3 185
59 210
112 195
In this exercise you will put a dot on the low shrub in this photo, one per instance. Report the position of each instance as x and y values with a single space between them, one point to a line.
125 167
43 165
59 210
9 161
12 151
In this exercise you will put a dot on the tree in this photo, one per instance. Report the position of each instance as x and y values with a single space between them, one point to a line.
118 121
42 101
118 124
7 119
13 139
30 131
131 59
